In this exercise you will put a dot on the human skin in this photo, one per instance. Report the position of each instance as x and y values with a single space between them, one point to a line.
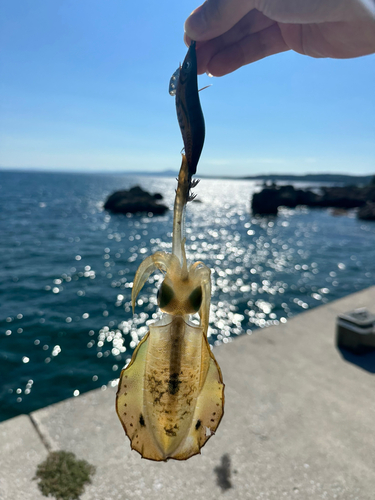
233 33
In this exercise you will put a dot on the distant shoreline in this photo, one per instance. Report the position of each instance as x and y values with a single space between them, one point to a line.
321 178
329 178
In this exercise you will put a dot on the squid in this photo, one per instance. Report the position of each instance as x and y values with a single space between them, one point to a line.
170 397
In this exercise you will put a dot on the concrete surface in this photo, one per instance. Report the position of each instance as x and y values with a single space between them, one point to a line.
21 450
299 423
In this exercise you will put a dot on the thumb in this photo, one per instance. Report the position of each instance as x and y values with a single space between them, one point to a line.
215 17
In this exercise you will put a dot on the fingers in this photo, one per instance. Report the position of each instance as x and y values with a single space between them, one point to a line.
253 22
253 37
247 50
215 17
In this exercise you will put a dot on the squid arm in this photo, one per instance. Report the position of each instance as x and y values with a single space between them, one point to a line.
203 274
158 261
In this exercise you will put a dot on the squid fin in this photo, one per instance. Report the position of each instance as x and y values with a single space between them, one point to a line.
130 404
208 411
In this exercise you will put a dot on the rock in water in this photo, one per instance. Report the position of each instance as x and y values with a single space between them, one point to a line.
344 197
367 212
135 200
266 202
270 198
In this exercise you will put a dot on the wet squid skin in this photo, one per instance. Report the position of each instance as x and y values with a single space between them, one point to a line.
170 397
189 111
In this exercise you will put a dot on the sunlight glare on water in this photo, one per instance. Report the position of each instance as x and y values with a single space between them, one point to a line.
66 323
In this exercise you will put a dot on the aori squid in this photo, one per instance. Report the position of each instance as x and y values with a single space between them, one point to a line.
170 397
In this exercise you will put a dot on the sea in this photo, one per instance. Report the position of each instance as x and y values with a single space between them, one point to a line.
67 267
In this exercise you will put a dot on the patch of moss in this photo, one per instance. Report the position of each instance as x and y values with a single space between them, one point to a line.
63 476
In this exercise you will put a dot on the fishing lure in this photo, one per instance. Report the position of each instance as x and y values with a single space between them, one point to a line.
184 85
170 397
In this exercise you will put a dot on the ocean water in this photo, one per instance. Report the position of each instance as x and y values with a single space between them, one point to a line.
67 268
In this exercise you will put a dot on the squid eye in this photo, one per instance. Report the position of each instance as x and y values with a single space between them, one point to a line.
195 298
165 295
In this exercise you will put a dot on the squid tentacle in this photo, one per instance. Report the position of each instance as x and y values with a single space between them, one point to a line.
202 274
158 261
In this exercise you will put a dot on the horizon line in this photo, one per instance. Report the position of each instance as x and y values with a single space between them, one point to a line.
173 173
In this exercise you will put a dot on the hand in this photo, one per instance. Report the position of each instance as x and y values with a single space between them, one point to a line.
232 33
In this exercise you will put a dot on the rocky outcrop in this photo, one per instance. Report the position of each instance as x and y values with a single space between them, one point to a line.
367 212
271 197
347 196
135 200
266 202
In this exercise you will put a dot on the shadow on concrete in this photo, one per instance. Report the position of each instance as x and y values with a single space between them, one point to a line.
223 473
365 361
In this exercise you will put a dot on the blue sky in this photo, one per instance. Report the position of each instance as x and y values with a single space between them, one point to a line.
84 86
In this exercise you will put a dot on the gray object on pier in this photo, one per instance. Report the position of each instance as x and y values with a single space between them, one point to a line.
355 331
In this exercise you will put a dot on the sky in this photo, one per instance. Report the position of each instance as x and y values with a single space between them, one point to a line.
84 87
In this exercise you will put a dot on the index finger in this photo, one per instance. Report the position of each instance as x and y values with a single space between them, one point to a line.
253 22
215 17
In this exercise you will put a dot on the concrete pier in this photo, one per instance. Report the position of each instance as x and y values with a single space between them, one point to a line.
299 423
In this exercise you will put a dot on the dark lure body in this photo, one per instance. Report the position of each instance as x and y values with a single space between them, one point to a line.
189 111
